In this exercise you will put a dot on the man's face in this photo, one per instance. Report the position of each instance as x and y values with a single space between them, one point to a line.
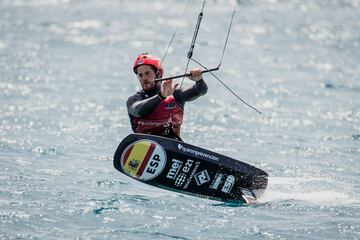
146 77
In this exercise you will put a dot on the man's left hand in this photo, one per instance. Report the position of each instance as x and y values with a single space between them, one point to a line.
195 74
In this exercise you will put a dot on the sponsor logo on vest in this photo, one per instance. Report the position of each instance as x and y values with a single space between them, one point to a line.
202 177
197 153
143 160
170 106
229 183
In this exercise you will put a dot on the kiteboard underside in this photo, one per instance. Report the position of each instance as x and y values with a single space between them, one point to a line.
181 167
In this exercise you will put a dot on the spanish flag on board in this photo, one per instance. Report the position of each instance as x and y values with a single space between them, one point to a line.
143 159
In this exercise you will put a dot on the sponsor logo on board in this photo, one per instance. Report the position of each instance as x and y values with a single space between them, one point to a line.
217 181
175 168
197 153
182 172
229 183
188 181
180 180
143 159
202 177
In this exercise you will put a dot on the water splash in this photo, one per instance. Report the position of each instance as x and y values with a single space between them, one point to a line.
317 191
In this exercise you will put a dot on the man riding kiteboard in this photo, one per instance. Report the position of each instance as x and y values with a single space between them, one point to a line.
158 108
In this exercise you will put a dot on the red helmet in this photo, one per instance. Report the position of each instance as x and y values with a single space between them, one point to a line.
146 59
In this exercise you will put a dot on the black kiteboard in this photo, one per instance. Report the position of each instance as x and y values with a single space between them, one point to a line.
181 167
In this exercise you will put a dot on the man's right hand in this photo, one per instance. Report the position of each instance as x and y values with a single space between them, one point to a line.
167 89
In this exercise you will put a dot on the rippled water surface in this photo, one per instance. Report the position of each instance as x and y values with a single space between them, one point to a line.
66 72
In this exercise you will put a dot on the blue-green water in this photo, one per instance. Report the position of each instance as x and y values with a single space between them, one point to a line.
66 72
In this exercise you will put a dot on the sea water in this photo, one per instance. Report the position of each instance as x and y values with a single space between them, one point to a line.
66 73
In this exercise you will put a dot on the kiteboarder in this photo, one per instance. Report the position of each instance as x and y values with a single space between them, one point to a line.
158 108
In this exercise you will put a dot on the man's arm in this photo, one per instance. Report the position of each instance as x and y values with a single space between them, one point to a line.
138 106
191 93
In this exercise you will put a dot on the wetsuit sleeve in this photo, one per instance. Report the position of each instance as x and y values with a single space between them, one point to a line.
138 106
191 93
